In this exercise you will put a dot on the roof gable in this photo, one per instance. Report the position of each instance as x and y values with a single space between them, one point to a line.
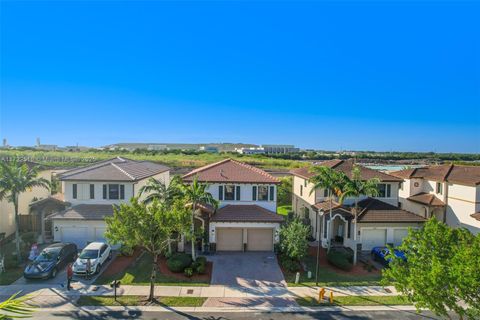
467 175
232 171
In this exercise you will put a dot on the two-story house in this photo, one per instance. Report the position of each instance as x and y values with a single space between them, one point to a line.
379 219
91 193
246 218
450 192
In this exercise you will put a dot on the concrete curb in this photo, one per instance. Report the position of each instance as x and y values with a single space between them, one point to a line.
231 309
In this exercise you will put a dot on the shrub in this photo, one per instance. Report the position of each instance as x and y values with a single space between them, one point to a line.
289 264
201 269
126 251
201 260
340 260
293 239
188 272
178 262
29 238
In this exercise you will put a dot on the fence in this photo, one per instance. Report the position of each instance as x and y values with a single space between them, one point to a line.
29 222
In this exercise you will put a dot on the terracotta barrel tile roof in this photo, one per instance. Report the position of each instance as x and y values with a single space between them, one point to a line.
466 175
325 205
84 212
116 169
245 213
376 211
346 167
427 199
232 171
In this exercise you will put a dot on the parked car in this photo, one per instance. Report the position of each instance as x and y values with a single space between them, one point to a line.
98 253
52 259
380 254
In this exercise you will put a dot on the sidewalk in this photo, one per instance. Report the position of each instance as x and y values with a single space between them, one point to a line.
213 291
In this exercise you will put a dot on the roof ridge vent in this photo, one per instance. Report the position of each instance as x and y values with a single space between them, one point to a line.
123 171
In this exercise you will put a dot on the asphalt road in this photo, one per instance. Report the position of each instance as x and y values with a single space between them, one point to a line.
355 315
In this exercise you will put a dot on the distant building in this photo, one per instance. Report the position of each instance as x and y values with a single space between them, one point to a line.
250 150
210 149
279 148
157 147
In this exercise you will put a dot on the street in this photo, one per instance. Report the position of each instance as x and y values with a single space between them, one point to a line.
177 315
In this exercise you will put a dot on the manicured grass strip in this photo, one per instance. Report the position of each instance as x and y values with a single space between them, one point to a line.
328 277
139 301
139 274
284 210
355 301
10 276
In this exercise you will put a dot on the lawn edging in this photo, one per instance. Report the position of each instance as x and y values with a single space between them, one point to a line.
140 301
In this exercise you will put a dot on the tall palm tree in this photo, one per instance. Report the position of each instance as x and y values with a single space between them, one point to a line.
155 189
355 187
194 194
16 178
331 180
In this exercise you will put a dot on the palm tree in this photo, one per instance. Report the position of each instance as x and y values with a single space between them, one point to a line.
331 180
194 194
16 178
155 189
15 307
356 187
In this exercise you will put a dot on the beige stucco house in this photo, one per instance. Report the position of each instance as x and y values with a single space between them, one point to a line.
7 213
451 193
91 192
379 220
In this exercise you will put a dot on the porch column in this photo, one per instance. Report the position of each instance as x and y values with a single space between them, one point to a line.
181 244
42 225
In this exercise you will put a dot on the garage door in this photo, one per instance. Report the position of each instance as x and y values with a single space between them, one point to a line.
260 239
398 235
373 238
99 234
229 239
77 235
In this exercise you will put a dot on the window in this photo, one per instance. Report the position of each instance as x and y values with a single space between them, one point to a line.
229 193
349 227
113 191
399 205
401 185
272 193
262 193
74 191
439 188
306 213
237 193
301 190
122 191
384 190
305 183
92 191
325 192
254 193
104 191
220 193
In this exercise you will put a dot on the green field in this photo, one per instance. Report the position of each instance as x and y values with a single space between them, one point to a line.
175 160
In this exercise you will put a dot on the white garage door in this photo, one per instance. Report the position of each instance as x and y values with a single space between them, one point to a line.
229 239
260 239
77 235
398 235
99 234
373 238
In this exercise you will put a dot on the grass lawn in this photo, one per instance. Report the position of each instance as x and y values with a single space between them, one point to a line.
140 300
328 277
284 210
11 275
140 275
355 301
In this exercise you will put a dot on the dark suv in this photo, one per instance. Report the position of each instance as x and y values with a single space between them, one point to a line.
52 259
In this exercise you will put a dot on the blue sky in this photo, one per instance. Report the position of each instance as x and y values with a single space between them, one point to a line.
327 75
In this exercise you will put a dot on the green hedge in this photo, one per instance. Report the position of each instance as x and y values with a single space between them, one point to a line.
340 260
178 262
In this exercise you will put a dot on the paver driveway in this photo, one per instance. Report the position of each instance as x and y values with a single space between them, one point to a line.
246 269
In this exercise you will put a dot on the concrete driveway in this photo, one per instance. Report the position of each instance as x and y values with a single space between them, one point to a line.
246 269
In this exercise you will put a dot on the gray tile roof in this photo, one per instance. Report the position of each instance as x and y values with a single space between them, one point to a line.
84 212
373 210
116 169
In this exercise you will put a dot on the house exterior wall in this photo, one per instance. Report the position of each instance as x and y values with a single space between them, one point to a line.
7 212
246 195
83 190
461 203
244 226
